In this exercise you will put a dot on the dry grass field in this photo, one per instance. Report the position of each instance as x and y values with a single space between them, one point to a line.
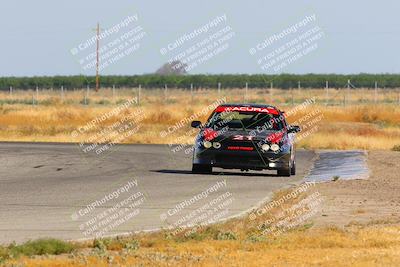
362 118
329 247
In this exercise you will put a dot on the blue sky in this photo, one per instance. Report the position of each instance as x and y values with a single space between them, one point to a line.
359 36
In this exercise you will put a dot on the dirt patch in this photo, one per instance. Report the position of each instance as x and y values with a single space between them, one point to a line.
371 201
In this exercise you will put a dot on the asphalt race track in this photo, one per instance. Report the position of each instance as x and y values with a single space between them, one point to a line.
45 190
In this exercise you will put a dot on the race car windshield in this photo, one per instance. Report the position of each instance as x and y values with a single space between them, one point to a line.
245 120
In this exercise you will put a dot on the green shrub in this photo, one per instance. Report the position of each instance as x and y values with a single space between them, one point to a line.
100 244
225 236
396 148
42 247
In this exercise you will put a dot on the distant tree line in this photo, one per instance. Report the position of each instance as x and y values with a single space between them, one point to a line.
205 81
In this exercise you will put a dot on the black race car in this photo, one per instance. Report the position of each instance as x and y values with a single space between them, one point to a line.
245 137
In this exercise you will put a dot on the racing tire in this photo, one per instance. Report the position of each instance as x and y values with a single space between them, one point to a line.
284 172
201 168
293 168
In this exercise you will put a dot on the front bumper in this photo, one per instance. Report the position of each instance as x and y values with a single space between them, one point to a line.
254 160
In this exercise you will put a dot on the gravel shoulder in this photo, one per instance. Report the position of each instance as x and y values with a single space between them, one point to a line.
372 201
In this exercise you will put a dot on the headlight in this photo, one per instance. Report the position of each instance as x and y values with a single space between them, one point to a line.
207 144
265 147
274 147
216 145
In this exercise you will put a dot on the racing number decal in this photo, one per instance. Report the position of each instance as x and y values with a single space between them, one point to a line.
242 138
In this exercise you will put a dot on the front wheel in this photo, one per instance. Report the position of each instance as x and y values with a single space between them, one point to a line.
284 172
201 168
293 168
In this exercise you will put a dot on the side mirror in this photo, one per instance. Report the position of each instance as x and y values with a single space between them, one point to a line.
196 124
294 129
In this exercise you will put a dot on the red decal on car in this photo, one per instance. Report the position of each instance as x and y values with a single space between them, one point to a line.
247 109
275 137
220 109
244 148
209 134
